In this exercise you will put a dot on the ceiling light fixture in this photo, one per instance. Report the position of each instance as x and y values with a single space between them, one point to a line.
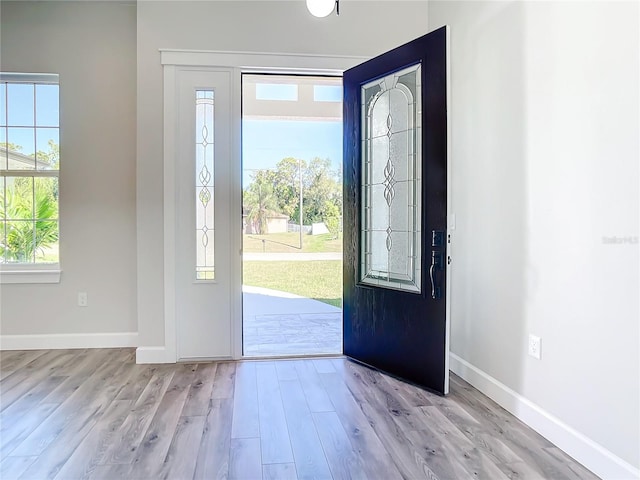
322 8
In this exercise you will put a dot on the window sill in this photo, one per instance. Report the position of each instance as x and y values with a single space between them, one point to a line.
30 275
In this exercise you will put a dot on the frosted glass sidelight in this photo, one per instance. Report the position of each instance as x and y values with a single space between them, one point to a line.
391 188
204 185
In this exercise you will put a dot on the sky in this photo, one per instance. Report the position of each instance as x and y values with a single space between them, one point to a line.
18 116
265 142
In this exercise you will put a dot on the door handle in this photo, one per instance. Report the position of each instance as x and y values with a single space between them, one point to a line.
436 264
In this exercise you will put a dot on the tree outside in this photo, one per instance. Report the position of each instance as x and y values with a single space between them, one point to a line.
29 211
278 190
260 200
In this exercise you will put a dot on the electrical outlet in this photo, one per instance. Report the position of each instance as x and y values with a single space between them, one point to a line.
535 346
83 301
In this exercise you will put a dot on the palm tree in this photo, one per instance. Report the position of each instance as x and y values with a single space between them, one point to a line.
31 214
259 200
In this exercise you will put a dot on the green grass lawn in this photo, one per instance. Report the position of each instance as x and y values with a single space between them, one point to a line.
290 243
317 279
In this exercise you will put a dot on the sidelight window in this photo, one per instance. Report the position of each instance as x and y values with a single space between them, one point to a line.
204 185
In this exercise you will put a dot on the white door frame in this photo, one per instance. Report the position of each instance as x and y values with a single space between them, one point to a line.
173 61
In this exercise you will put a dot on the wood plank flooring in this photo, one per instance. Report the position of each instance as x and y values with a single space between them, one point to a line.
95 414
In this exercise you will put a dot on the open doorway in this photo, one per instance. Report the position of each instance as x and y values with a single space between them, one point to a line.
292 214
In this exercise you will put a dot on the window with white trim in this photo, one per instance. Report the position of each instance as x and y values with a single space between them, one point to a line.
29 170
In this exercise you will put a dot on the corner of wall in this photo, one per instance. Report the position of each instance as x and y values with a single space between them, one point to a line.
589 453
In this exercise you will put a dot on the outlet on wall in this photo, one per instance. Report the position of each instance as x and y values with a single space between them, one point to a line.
535 346
83 301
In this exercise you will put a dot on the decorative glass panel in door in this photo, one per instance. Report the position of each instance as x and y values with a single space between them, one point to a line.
391 184
204 181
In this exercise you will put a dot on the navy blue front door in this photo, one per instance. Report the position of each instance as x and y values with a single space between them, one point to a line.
395 212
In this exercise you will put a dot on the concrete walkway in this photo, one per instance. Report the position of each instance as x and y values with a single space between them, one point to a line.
280 323
302 257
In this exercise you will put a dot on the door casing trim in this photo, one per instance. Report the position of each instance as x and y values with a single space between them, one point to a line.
173 62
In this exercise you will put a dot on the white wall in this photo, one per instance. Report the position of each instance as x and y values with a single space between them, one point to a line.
545 159
260 26
92 45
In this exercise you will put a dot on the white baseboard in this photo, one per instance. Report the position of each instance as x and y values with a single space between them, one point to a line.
589 453
58 341
153 355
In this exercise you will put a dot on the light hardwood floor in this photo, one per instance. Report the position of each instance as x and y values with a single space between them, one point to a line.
70 414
